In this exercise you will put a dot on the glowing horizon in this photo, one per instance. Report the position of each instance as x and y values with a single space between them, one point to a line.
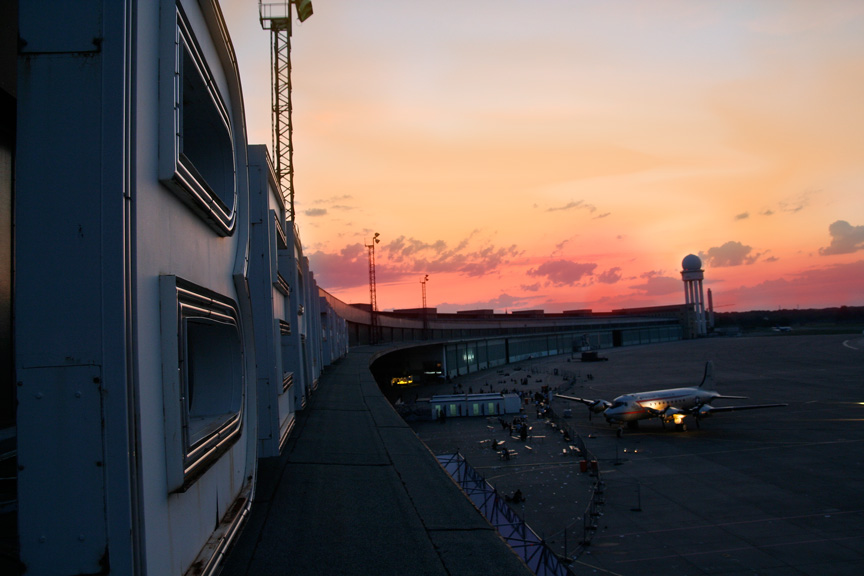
569 154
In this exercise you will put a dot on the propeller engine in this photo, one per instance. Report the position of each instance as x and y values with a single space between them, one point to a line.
703 411
599 406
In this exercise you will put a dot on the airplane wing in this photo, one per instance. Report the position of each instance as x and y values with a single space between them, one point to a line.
676 415
595 406
707 410
586 401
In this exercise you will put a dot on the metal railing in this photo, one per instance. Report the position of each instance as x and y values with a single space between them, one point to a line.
518 535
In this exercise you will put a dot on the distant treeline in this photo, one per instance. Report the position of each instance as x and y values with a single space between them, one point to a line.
843 316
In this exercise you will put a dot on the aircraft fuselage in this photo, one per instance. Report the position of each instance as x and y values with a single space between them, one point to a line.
670 404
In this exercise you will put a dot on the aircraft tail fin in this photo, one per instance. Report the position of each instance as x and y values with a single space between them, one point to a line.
708 378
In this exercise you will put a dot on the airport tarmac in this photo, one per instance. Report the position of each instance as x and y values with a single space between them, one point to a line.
772 492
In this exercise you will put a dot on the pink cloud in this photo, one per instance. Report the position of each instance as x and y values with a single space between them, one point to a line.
611 276
660 286
346 269
814 288
407 256
729 254
563 272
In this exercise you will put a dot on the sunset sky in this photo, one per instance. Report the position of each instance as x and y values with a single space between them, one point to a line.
568 154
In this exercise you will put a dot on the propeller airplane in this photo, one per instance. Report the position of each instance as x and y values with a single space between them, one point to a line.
670 406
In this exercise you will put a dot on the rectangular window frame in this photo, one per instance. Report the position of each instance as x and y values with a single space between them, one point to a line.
176 170
284 329
281 237
196 439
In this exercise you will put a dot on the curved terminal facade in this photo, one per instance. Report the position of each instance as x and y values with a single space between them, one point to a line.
167 324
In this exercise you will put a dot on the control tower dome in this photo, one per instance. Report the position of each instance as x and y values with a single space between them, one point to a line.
691 263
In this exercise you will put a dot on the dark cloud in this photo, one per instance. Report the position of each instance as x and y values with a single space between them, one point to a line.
531 287
326 204
577 205
729 254
791 205
403 248
563 272
611 276
412 255
845 239
742 216
486 260
797 203
333 199
651 274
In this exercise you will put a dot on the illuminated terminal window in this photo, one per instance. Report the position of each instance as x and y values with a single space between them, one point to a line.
203 378
196 144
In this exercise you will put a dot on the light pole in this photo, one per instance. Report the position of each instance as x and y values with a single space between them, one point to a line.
423 310
373 298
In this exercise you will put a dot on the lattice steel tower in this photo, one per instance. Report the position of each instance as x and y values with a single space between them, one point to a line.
374 328
276 17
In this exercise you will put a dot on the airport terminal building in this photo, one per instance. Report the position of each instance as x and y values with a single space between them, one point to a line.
167 326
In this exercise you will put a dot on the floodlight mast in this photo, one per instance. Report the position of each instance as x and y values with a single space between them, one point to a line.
374 327
423 310
276 17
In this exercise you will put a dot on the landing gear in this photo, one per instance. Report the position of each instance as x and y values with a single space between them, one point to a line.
631 425
681 427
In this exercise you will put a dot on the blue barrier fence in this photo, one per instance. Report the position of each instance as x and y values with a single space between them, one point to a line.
521 538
